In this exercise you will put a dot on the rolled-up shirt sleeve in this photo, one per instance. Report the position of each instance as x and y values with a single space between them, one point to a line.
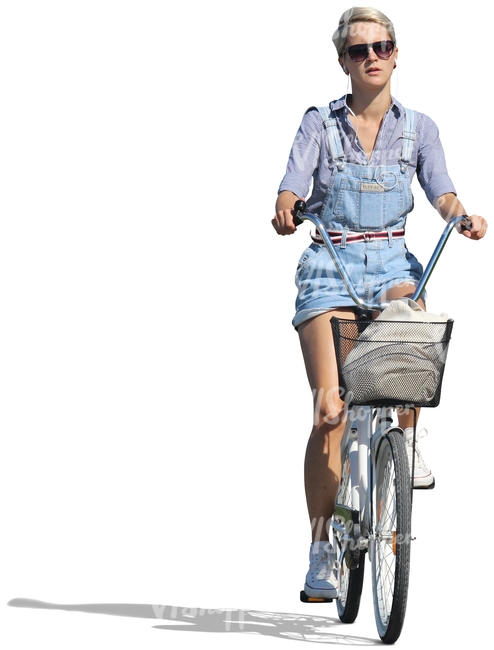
432 172
304 156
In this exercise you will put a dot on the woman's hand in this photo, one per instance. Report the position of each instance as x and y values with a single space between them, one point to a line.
283 220
478 229
449 206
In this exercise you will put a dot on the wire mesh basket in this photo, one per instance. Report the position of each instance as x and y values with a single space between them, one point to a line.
391 363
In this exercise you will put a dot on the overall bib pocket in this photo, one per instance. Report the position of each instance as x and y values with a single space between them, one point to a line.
363 204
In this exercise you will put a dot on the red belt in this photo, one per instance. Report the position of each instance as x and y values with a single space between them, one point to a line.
352 237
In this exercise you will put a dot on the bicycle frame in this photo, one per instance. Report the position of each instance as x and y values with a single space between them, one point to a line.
358 519
366 443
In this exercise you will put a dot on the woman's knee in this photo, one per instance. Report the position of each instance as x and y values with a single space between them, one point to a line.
402 289
329 409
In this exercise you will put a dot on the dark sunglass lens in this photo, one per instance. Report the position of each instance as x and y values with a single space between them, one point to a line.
358 53
384 49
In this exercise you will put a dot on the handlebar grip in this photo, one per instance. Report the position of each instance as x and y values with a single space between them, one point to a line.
299 208
466 224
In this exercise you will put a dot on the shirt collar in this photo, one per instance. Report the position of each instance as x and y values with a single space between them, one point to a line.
340 105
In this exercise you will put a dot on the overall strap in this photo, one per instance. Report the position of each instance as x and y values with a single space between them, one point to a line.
333 136
409 136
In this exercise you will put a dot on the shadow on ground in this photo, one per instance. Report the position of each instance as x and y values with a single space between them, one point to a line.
297 627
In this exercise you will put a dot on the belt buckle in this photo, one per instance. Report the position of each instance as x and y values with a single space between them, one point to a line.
368 236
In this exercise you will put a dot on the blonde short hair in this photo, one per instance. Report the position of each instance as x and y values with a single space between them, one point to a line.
360 15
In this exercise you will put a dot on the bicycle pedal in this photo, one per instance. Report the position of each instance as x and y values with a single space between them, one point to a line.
312 599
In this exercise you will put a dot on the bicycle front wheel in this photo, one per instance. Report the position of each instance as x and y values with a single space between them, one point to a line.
390 549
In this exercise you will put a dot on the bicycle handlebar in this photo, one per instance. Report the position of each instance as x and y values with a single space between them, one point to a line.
301 215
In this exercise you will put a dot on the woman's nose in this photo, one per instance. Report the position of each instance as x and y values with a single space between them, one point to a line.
371 55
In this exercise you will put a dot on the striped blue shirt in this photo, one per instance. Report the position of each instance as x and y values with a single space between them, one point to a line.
310 158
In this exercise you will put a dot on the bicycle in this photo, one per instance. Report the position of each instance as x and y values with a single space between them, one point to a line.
374 502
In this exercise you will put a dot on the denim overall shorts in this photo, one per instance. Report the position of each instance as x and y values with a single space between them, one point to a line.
373 200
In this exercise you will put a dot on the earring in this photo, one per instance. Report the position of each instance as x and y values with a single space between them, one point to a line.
346 71
395 64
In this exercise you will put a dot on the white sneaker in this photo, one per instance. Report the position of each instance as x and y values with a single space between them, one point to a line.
321 580
422 474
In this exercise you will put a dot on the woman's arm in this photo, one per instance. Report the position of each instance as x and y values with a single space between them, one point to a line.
302 162
449 206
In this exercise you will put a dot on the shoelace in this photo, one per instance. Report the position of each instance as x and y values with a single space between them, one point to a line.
321 561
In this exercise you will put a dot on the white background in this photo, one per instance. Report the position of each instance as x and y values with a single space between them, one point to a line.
154 406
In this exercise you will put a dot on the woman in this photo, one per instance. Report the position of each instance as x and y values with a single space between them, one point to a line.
360 154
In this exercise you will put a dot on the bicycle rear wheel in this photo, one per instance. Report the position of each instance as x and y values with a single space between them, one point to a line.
390 549
351 579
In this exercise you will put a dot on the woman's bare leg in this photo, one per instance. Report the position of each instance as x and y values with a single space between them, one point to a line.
322 469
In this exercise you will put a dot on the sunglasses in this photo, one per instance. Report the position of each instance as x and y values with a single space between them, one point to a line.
382 49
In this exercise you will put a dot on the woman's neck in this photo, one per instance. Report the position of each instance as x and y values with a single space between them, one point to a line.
370 107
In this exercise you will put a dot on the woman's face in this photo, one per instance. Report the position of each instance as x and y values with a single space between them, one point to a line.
373 71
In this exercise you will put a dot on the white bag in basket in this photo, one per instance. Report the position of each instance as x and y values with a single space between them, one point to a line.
389 369
406 309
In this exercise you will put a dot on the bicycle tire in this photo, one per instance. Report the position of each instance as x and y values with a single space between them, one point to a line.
351 579
390 548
